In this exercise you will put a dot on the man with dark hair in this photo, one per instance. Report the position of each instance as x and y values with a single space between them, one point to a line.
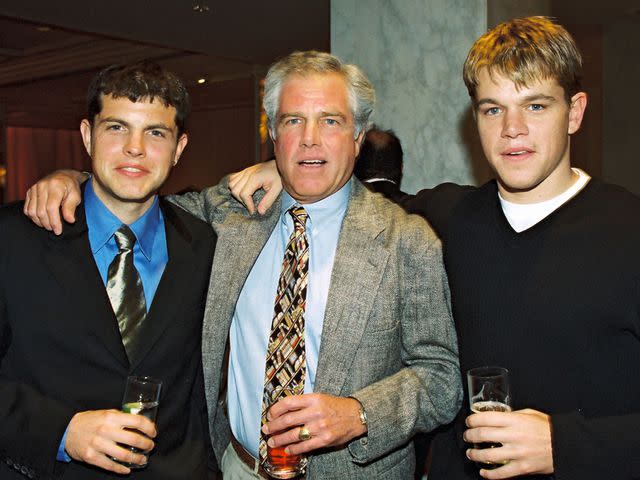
379 164
120 293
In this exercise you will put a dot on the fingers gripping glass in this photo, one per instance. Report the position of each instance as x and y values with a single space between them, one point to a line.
489 392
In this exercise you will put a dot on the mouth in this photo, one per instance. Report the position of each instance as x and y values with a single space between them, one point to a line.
131 170
516 152
311 163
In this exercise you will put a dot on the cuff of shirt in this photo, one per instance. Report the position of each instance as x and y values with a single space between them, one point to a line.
62 455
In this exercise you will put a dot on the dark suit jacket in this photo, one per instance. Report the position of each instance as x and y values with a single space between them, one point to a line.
61 351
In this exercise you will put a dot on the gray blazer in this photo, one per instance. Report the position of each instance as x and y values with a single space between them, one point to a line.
388 337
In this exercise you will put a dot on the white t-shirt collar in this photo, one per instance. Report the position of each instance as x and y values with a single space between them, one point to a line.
522 216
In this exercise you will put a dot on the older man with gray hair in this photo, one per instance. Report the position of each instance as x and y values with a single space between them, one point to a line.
361 328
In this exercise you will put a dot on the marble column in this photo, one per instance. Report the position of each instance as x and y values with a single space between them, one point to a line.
413 52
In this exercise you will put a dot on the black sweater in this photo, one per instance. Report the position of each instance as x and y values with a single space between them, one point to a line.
559 306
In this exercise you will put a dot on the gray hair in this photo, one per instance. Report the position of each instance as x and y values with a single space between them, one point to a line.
362 96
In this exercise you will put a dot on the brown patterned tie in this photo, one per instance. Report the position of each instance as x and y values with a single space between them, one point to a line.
125 291
286 363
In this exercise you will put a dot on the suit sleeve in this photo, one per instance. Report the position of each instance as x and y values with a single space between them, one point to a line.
212 204
31 424
427 392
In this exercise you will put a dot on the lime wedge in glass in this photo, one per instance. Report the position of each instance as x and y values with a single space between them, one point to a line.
133 407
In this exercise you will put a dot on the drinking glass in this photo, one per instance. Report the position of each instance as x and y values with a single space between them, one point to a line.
141 397
280 464
489 392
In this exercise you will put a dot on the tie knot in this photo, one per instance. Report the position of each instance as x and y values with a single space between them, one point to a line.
125 238
299 215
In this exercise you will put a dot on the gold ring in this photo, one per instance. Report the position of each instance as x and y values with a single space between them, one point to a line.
304 434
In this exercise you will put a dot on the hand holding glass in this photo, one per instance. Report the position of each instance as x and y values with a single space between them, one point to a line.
141 397
280 464
489 392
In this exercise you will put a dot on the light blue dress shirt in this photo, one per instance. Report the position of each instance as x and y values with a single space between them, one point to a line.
150 254
251 324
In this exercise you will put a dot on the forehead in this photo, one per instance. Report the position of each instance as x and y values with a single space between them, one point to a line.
151 110
498 86
327 92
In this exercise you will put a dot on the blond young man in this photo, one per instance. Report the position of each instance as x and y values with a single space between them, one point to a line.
543 265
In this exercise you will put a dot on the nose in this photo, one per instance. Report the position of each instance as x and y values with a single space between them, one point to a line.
134 146
514 124
310 135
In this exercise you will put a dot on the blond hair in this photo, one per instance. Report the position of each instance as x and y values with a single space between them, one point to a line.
526 50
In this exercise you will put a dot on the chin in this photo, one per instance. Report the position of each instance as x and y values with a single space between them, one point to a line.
136 197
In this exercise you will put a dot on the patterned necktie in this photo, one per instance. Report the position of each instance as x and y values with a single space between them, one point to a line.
286 363
124 288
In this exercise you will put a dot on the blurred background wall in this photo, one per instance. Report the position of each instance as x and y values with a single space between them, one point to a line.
413 51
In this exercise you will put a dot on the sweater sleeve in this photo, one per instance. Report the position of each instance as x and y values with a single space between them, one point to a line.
436 204
597 448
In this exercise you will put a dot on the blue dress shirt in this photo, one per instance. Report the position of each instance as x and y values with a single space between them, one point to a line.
251 324
150 254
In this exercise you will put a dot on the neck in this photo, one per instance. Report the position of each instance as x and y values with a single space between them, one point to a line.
127 211
552 186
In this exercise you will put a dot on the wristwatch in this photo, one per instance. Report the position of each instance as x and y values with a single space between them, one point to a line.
361 412
363 416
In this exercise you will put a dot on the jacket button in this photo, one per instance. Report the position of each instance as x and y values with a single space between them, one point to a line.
364 441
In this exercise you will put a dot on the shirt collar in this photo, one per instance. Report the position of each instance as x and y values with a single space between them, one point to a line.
376 180
102 223
328 209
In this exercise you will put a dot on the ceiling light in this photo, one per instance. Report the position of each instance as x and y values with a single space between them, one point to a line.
201 6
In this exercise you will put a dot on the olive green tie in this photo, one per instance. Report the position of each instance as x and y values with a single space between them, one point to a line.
125 291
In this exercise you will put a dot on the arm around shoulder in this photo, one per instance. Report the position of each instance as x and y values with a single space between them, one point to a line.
212 204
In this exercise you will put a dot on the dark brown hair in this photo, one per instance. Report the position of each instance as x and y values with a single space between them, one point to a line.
139 81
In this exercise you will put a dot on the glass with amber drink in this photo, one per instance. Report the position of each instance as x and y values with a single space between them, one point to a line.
280 464
489 392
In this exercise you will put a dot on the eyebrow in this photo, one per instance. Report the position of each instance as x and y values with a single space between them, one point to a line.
527 99
322 114
155 126
333 114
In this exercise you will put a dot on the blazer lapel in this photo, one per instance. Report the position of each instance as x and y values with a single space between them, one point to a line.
71 262
357 272
167 299
231 266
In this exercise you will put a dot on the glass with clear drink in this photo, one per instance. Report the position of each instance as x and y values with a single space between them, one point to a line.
489 392
280 464
141 397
